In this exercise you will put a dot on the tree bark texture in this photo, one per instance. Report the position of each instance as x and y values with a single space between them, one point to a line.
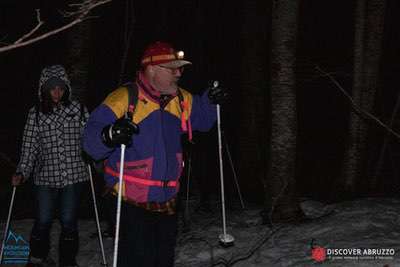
369 20
78 59
283 110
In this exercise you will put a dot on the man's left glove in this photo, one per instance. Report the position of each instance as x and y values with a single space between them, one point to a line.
217 94
120 132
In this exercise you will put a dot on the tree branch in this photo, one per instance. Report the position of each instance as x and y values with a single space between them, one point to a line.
40 23
354 105
80 15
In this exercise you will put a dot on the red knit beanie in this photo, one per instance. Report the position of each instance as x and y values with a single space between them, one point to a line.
163 54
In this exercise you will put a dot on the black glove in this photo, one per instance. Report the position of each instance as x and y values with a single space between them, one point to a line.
86 157
217 94
120 132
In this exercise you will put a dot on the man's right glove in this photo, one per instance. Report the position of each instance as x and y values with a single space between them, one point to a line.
120 132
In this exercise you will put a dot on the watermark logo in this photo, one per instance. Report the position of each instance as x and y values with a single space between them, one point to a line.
16 249
318 254
321 254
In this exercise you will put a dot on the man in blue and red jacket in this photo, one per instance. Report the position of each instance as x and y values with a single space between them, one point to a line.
153 157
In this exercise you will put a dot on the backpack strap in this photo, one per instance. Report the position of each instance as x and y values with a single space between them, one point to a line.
82 111
133 96
181 100
37 114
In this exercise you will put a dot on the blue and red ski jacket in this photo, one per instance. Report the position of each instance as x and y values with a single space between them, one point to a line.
153 162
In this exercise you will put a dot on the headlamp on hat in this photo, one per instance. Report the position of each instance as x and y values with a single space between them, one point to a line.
180 55
163 54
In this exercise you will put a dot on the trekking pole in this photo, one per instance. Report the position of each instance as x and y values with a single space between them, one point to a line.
233 170
8 223
225 240
97 216
186 215
117 221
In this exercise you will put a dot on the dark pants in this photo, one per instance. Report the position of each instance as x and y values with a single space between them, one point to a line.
47 200
110 208
146 239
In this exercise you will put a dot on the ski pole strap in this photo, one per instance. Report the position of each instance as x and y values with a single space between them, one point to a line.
137 180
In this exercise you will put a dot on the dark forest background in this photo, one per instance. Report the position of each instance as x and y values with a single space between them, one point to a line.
303 151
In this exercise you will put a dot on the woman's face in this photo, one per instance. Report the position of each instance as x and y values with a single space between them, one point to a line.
56 94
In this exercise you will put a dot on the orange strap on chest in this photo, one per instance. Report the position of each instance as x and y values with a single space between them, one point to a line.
185 122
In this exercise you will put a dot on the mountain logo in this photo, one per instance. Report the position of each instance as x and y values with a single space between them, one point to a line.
16 249
16 239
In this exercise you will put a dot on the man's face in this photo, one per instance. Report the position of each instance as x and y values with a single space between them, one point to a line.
164 79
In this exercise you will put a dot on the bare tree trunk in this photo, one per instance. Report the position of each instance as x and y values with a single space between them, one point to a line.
78 59
127 41
283 111
252 126
367 54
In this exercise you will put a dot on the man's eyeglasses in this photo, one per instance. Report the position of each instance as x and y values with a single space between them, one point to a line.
173 70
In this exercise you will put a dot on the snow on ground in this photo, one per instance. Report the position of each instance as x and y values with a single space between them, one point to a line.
350 226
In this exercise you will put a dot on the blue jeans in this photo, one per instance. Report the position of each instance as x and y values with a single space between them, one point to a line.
47 199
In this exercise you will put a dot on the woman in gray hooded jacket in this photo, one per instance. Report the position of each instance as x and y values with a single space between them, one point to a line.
51 153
